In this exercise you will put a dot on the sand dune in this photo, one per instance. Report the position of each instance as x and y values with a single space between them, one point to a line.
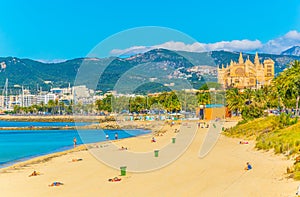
219 173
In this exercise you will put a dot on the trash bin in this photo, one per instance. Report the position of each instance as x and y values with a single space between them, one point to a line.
214 125
173 140
156 153
223 128
123 170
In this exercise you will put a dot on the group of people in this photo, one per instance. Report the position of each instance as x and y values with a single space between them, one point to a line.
116 136
203 125
55 183
106 136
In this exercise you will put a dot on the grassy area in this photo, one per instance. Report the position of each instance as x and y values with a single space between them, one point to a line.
253 129
286 141
296 172
278 133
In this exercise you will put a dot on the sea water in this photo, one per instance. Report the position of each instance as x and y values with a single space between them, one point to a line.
20 145
4 123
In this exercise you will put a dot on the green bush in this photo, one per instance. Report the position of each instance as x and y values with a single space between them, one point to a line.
297 175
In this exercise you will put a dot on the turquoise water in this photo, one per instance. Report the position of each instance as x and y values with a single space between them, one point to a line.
39 124
20 145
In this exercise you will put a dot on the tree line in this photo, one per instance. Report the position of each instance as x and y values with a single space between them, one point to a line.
283 94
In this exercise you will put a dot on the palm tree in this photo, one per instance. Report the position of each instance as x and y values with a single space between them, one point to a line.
50 106
288 85
248 95
235 100
270 96
204 97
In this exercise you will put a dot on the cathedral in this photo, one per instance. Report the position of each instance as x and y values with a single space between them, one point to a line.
246 74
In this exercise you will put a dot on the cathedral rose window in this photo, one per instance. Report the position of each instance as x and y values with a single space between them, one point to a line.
239 71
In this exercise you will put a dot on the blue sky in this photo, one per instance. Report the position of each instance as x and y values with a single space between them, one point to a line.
49 30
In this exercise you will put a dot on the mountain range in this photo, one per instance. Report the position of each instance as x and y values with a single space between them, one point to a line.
147 69
295 51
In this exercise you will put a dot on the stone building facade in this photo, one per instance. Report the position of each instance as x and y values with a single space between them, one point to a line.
246 74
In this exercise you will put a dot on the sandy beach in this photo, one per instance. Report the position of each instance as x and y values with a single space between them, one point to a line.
220 173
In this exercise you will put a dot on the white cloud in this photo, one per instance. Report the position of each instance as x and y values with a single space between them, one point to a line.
275 46
131 50
51 61
180 46
293 35
235 45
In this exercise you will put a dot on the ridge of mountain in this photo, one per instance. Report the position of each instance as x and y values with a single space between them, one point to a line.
294 51
30 73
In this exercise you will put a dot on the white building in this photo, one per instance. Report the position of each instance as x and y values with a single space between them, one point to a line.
27 100
45 98
81 91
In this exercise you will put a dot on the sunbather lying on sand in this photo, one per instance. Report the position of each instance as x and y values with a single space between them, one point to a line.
242 142
298 191
114 179
55 183
123 148
74 160
34 173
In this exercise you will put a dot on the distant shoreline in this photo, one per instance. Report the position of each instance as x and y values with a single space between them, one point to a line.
53 118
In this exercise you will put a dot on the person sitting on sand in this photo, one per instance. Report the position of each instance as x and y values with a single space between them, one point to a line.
74 160
34 173
248 166
153 139
114 179
55 183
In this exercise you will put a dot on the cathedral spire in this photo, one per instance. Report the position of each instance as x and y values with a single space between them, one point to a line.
241 60
256 59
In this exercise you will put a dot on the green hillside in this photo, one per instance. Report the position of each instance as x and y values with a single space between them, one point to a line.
160 63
